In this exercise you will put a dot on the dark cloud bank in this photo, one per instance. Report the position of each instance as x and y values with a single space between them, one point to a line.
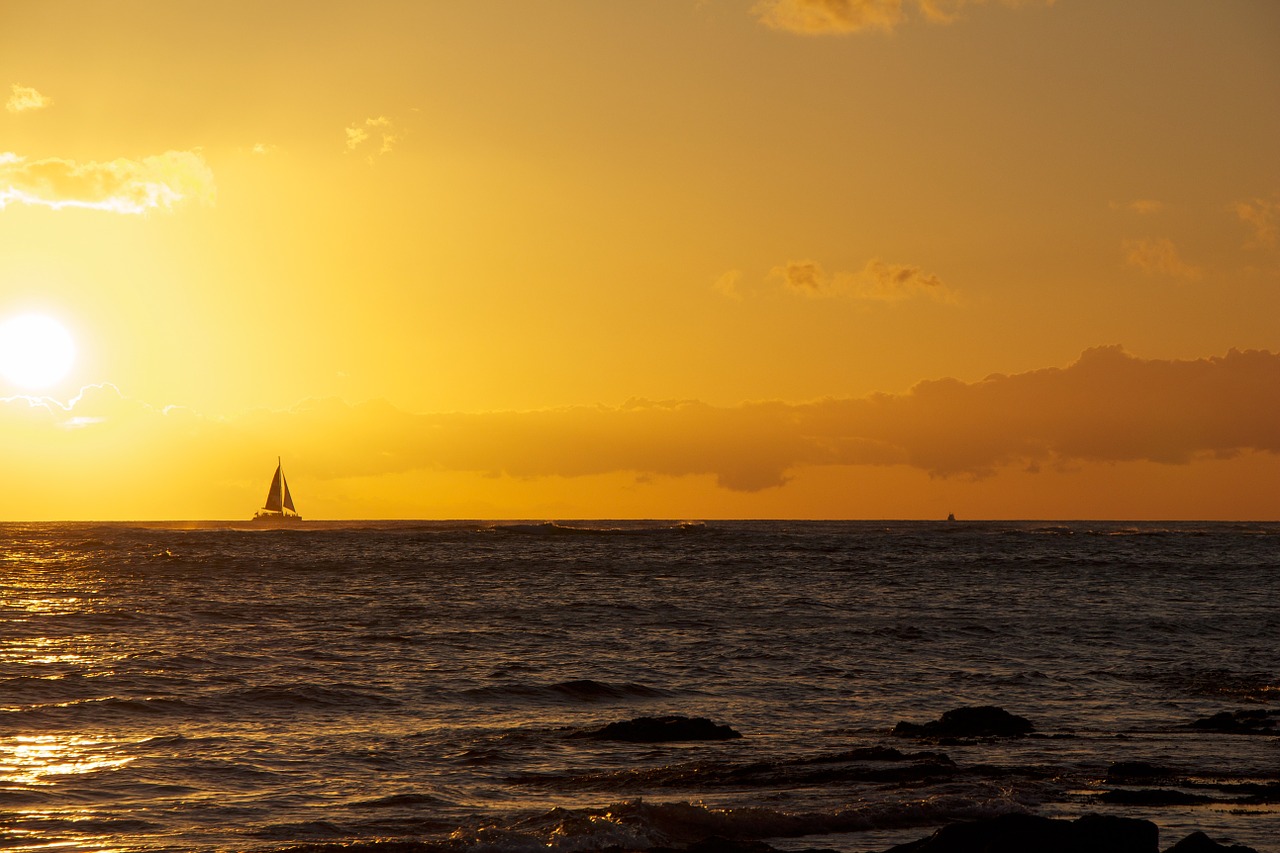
1107 407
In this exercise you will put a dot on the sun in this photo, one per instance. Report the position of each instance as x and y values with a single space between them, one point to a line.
36 351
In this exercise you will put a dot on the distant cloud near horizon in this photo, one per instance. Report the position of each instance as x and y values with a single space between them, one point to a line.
876 282
825 17
25 98
119 186
1107 407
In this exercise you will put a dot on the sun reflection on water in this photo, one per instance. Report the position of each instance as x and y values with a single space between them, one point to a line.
89 844
48 660
33 759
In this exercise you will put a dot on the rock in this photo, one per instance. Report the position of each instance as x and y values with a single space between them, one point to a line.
662 729
981 721
1022 833
1251 722
1198 842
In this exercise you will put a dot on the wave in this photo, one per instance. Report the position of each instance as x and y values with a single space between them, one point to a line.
239 702
1240 685
878 765
343 696
392 801
555 528
36 690
580 690
636 825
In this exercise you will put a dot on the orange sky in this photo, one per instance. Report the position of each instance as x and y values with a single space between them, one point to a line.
678 259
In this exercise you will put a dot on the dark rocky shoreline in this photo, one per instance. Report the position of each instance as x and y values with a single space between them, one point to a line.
1127 783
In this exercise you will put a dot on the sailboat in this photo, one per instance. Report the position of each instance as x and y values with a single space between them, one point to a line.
279 509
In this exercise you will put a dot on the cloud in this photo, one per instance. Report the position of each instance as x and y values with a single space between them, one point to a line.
830 16
881 282
121 186
379 133
727 284
808 277
876 282
1261 215
823 17
1140 206
24 98
1107 407
1158 256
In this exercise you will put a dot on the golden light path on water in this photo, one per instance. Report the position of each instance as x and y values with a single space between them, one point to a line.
28 761
43 761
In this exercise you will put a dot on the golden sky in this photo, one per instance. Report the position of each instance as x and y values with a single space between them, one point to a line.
673 259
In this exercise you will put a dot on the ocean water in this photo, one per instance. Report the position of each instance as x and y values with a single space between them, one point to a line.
207 688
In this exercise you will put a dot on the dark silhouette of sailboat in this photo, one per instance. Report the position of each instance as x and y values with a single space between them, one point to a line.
279 510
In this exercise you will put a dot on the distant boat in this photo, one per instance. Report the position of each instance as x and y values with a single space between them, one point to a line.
951 516
279 509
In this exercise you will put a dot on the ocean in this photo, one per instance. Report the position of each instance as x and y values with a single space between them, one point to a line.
199 687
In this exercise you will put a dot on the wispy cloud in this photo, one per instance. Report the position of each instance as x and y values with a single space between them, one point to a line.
822 17
1158 256
1262 216
374 137
876 282
882 282
24 98
1109 406
1141 206
830 16
160 182
727 284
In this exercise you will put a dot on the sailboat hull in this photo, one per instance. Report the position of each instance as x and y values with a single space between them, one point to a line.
275 519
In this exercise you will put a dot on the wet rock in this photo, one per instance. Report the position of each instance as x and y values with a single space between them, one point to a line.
1250 722
1198 842
979 721
662 729
1021 833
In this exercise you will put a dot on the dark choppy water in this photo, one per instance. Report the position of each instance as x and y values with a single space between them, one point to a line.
214 689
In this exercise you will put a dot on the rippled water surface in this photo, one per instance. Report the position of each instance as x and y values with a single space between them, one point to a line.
217 689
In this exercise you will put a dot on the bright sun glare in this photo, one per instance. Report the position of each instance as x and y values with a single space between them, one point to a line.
35 351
